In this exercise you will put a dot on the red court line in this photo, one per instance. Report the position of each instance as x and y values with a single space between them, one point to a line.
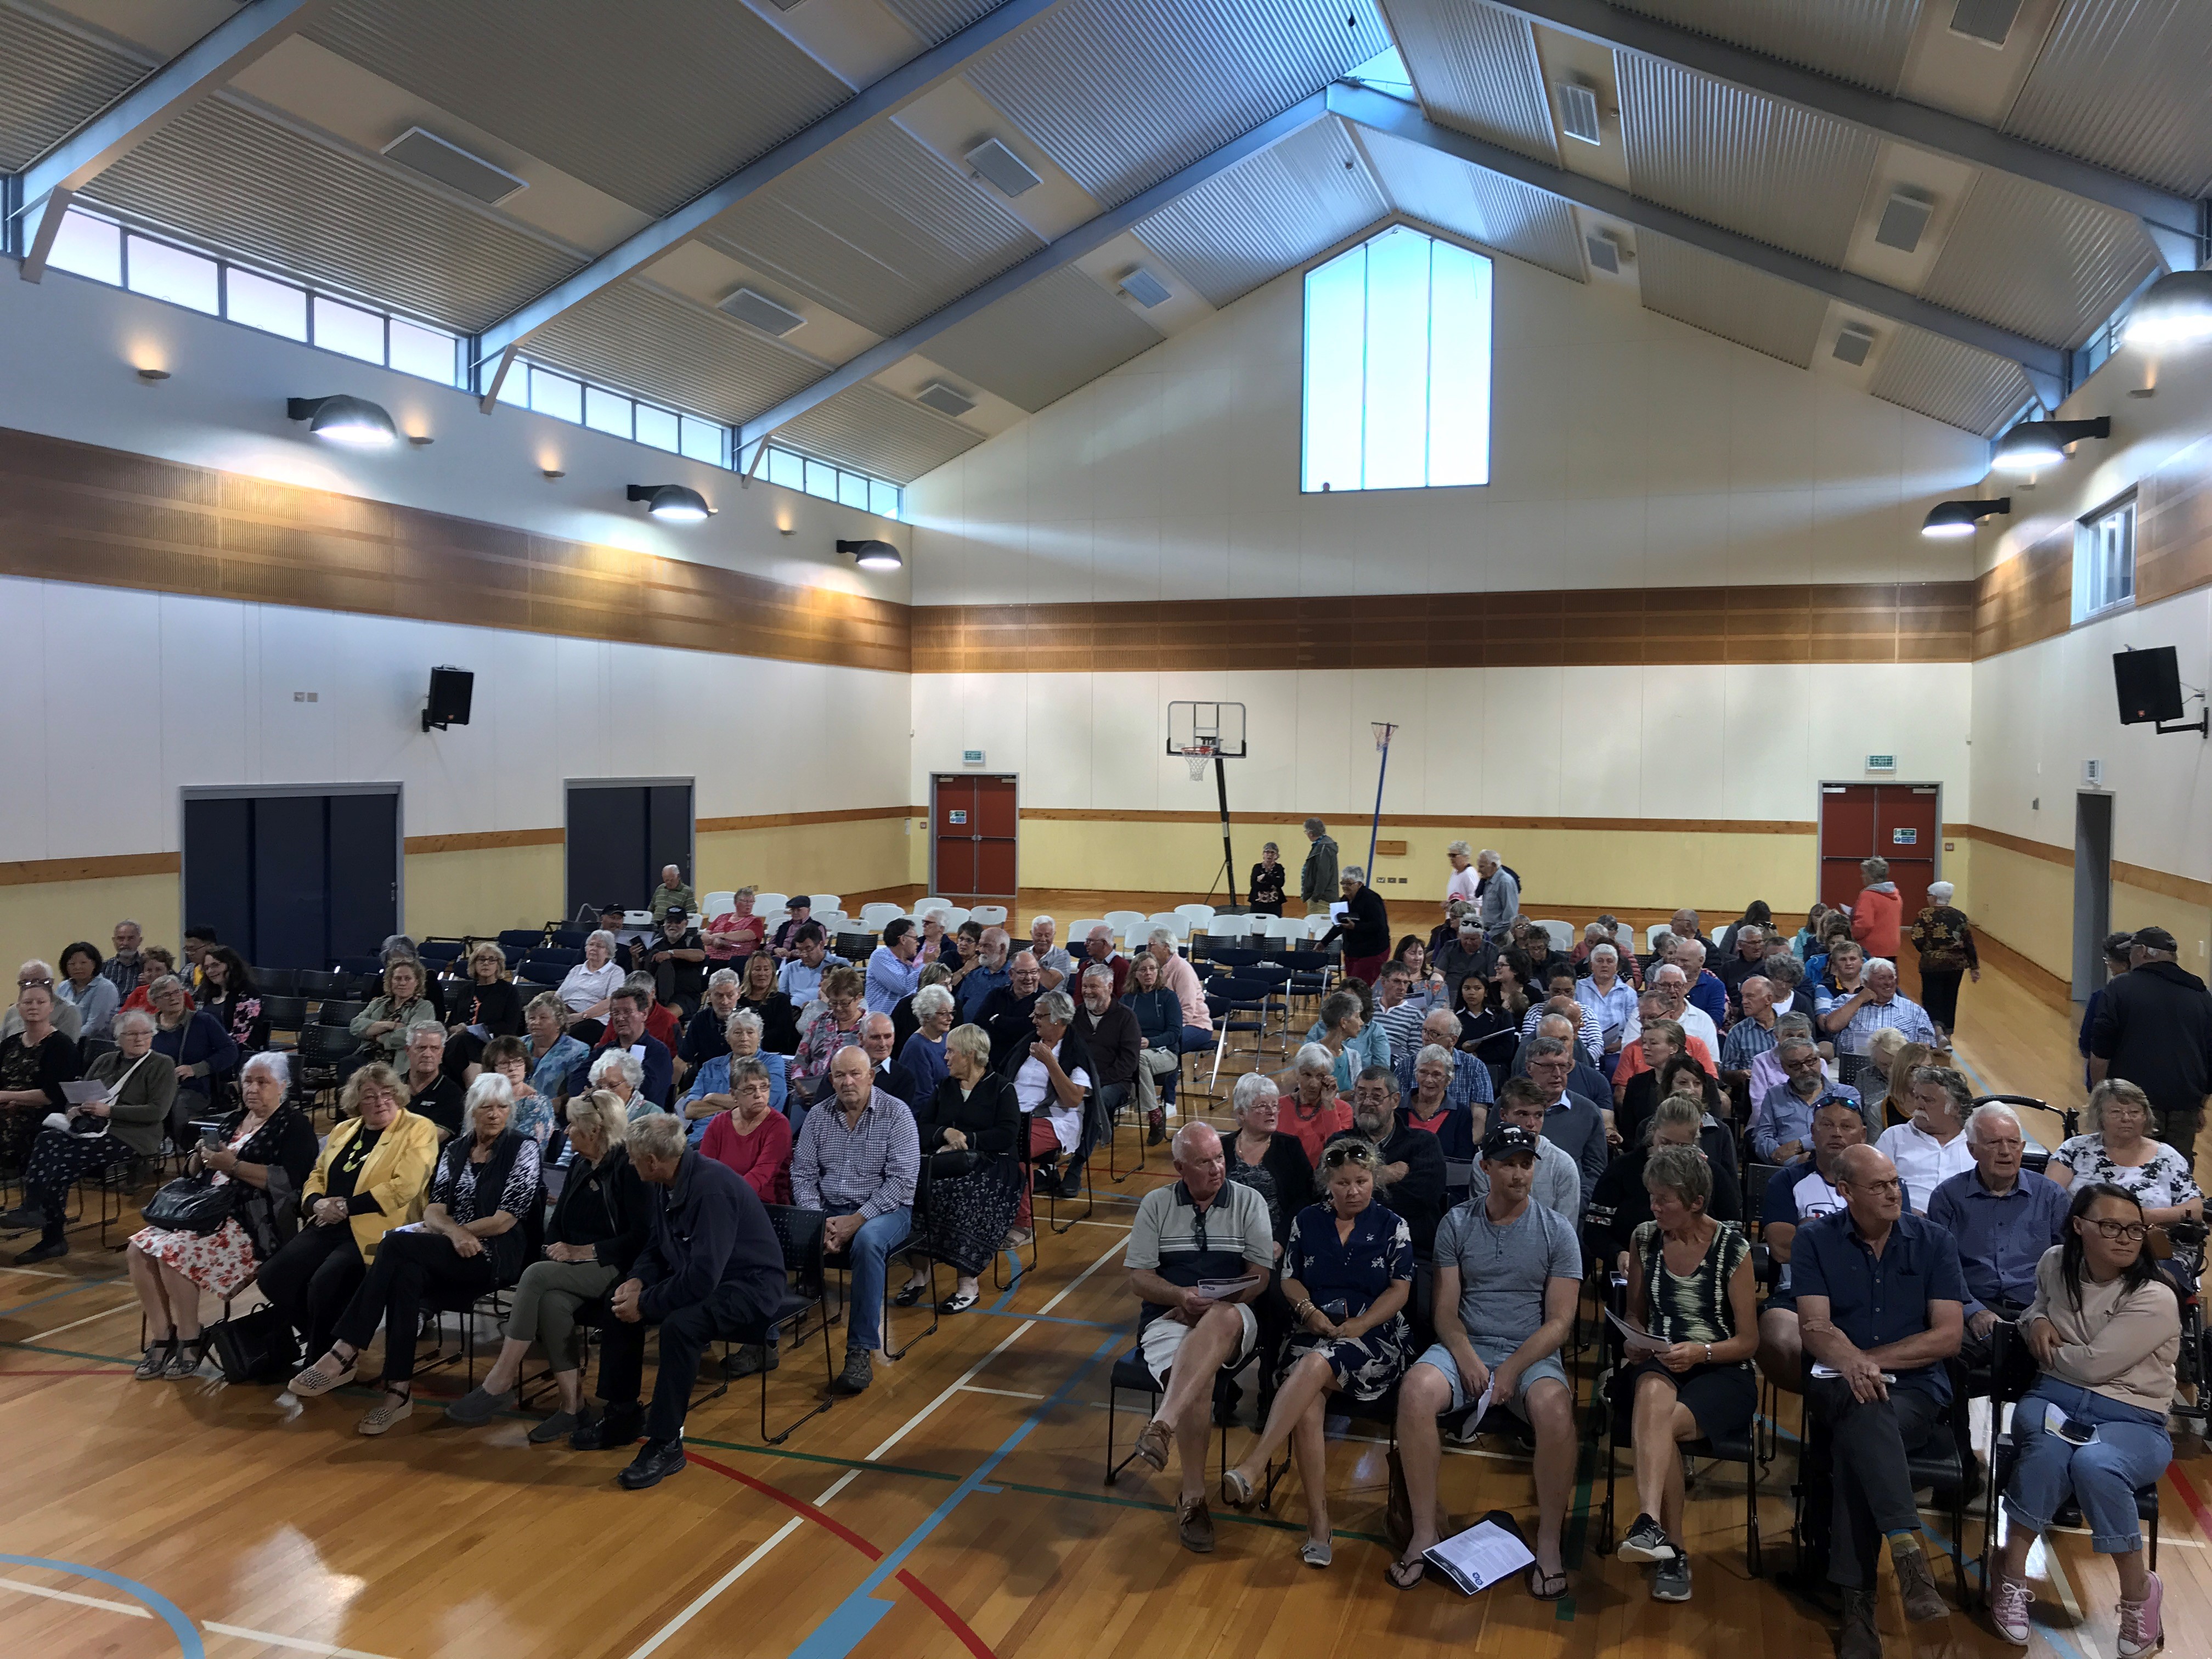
2188 1497
928 1597
92 1370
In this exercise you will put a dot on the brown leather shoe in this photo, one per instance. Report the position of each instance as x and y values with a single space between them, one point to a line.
1153 1441
1194 1525
1916 1584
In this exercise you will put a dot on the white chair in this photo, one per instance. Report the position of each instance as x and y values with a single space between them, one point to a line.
1562 933
951 916
764 903
834 922
931 902
1200 916
876 917
637 918
1174 920
1316 926
990 915
1122 921
1651 934
715 904
1286 927
828 902
1079 934
774 919
1624 936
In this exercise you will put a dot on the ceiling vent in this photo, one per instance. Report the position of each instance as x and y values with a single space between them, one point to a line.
786 5
1147 290
1606 252
763 313
1578 111
944 399
1904 219
1853 342
1005 170
1988 21
449 164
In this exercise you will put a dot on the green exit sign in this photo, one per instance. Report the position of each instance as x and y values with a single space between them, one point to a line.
1881 763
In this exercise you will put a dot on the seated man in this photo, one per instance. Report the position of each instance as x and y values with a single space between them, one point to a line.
1208 1231
1005 1013
879 1042
1467 952
1098 950
1672 981
676 956
1398 1013
1878 1297
800 976
1798 1193
1563 1017
1508 1273
1748 960
1707 994
857 1160
1109 1034
1054 964
1877 1002
987 975
711 1268
705 1033
430 1092
1782 1123
2003 1218
1766 1073
798 911
1051 1076
1470 1084
1932 1146
1411 1178
626 1017
1752 1035
895 966
1575 1122
1561 1003
1557 1183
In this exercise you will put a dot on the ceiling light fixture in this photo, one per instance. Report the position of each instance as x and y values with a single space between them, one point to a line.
151 375
945 399
354 422
1949 519
873 555
2033 445
763 313
2176 310
675 502
1904 218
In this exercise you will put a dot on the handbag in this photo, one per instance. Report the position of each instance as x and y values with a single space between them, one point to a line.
191 1204
255 1347
952 1163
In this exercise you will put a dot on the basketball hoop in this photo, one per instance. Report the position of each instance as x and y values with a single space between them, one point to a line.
1382 731
1201 755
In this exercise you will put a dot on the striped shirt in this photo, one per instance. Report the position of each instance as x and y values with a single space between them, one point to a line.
1403 1025
1900 1010
1591 1035
1696 1309
868 1170
1746 1040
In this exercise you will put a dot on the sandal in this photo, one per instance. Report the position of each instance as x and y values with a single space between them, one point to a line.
311 1383
909 1294
959 1302
1404 1574
1546 1586
156 1360
185 1359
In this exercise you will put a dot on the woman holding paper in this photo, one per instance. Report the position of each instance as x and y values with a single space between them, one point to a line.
1689 1286
115 1122
1347 1274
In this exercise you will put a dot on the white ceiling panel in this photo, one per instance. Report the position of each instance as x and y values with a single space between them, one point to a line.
1472 202
872 430
2122 82
1038 344
1732 301
670 350
52 79
1950 382
939 21
1475 68
1863 41
2038 261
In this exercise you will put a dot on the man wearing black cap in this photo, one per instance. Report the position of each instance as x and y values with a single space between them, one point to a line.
801 911
677 963
2153 1028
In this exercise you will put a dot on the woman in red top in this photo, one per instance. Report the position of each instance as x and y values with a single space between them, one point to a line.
751 1138
1877 911
734 933
1312 1110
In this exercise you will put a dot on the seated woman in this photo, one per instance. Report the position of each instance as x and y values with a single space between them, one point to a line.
471 1242
1159 1023
154 962
1490 1011
1347 1272
837 1026
736 933
620 1073
535 1113
374 1176
970 1187
1344 1030
599 1224
922 1058
2107 1331
1659 1041
266 1149
749 1135
1261 1156
1621 1204
2116 1150
548 1052
141 1085
199 1047
711 1095
34 1062
756 990
905 1022
1313 1109
383 1025
487 1005
228 992
1689 1285
1458 1129
586 989
90 993
1685 1077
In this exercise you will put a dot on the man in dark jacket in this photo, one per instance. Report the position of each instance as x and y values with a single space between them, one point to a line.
1411 1182
1005 1013
2153 1028
1108 1031
1317 881
711 1268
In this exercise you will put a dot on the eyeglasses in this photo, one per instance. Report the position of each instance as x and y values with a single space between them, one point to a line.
2123 1232
1882 1187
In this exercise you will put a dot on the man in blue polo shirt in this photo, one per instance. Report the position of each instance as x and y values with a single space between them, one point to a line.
1880 1305
2003 1219
1782 1123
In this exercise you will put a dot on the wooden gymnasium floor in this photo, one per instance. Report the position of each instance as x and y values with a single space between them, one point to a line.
956 1508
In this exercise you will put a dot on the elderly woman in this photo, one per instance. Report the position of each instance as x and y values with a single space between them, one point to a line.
756 990
2106 1332
1343 1031
1261 1156
737 933
549 1051
2116 1150
373 1177
598 1226
35 1061
1620 1204
586 989
923 1063
1945 939
1348 1273
1878 909
750 1135
1689 1286
837 1026
704 1038
228 992
1458 1129
535 1114
85 989
1608 999
471 1242
710 1094
485 1006
196 1044
127 1123
153 961
971 1189
1159 1023
383 1025
265 1149
622 1074
1313 1109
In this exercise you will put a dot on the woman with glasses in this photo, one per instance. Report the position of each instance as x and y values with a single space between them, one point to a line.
1347 1272
2107 1331
2117 1151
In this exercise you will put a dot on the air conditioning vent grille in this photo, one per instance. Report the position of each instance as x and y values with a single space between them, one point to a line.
449 164
763 313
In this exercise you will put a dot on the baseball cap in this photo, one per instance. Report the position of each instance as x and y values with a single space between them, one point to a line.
2156 938
677 913
1506 1139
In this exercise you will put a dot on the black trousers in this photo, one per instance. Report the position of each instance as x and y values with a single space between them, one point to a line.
1869 1489
733 1313
1939 995
410 1266
2178 1130
310 1279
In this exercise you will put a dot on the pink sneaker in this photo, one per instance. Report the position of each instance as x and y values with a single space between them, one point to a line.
2140 1627
2008 1607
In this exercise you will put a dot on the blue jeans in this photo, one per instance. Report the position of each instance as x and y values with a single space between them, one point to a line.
2131 1450
877 1238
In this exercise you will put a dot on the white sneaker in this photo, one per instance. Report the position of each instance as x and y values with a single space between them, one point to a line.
2008 1605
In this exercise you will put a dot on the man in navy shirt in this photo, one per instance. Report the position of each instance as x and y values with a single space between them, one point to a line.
1798 1195
1880 1305
2003 1219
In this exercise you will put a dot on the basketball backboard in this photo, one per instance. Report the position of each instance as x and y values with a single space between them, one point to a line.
1206 729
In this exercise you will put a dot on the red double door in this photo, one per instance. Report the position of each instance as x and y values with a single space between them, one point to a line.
973 819
1898 822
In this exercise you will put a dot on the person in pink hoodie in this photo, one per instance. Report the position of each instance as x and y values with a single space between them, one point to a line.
1877 911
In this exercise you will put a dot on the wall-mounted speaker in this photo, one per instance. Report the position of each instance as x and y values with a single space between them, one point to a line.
450 691
2149 685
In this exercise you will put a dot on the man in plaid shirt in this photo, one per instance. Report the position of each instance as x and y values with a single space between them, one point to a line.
857 1160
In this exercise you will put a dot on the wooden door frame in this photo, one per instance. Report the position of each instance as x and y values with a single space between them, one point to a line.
1819 819
1014 778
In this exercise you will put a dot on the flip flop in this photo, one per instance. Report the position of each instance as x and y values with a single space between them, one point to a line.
1546 1587
1397 1572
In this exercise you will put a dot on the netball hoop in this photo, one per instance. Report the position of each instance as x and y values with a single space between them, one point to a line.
1207 734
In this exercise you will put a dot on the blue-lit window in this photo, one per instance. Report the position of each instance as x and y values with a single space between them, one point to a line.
1397 367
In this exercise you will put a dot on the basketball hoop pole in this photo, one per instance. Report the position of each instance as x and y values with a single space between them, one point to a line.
1228 856
1382 731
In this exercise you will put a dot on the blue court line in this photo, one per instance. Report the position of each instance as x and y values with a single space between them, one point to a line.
1014 1256
851 1620
41 1301
188 1637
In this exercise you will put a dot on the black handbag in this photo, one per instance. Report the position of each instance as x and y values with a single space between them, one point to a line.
191 1204
256 1347
950 1163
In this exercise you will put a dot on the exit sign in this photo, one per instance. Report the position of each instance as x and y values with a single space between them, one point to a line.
971 758
1881 763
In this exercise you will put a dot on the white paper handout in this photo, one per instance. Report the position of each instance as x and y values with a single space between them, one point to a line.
84 1092
1638 1340
1477 1557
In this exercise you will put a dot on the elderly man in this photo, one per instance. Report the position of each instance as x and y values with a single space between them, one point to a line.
1466 952
1707 994
1798 1193
1671 981
1109 1033
676 956
711 1269
1054 964
124 968
1317 877
1852 1020
1005 1013
1098 951
1558 1180
1766 1073
1411 1179
2152 1027
1464 878
798 911
1200 1254
800 978
857 1160
67 1020
1879 1297
707 1035
879 1042
895 966
1685 925
1932 1146
1470 1084
1052 1074
1749 958
1565 1020
990 974
1498 893
626 1015
430 1092
1365 928
1574 1123
1508 1274
2002 1218
674 893
1781 1122
1751 1036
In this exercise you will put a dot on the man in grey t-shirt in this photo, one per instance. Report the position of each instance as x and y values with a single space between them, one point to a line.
1508 1273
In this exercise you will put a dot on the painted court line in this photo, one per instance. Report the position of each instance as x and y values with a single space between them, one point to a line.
757 1554
1005 1393
300 1643
93 1319
189 1645
50 1594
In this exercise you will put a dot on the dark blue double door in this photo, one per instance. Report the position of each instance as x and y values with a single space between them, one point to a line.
293 880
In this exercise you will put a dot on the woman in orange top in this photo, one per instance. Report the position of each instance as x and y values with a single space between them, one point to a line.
1877 911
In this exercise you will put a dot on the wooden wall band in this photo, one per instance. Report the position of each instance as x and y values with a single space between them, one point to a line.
1438 821
790 820
31 872
485 841
2187 888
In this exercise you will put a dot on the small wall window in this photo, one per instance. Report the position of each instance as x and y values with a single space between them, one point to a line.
2105 559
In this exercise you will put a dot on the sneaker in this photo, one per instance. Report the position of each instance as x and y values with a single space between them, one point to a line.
612 1432
1859 1637
393 1409
477 1407
1916 1585
556 1427
2009 1602
1670 1580
859 1372
1647 1541
655 1462
750 1360
1153 1443
1194 1525
2141 1627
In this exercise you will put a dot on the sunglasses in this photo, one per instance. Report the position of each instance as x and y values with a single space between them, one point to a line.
1348 1153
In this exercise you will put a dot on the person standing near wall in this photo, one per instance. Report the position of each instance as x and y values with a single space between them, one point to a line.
2154 1030
1317 881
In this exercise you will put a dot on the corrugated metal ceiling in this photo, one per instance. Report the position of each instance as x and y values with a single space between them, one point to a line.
1863 41
939 21
651 101
666 348
1035 346
2038 261
1122 93
52 80
1268 213
1470 200
876 431
2122 82
1732 301
1950 382
1475 68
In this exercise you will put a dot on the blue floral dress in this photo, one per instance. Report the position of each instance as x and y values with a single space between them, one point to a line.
1346 1278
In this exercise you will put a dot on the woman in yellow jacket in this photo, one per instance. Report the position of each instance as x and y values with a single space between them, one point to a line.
374 1176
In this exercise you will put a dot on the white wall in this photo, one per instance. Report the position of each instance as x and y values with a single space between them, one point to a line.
1630 451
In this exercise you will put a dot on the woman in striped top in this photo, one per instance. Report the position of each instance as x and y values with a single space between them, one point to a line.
1689 1286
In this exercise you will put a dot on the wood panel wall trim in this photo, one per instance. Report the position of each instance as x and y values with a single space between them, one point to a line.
485 841
31 872
77 512
790 820
2187 888
2011 843
1438 821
